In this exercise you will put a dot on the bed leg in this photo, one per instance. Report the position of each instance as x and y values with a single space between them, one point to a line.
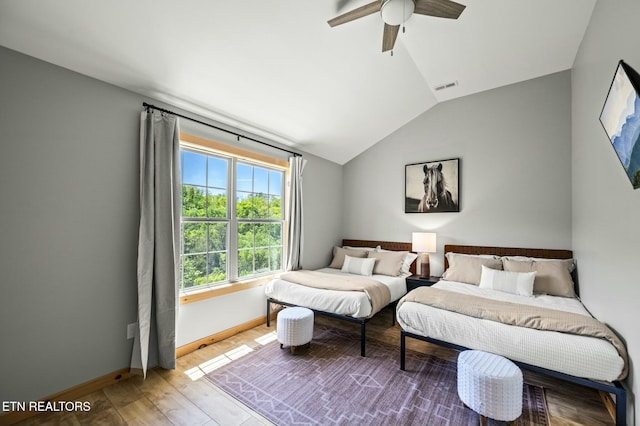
402 350
363 337
268 313
393 314
621 405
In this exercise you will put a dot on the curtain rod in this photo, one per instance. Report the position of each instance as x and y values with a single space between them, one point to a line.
149 106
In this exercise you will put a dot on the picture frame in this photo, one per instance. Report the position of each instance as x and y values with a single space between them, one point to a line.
620 118
432 187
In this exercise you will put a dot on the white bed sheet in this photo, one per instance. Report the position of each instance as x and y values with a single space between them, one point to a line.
349 303
580 356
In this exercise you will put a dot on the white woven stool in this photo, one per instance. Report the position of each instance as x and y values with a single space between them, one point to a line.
490 385
295 327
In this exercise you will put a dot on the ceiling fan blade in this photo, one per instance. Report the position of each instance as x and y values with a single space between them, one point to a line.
389 36
439 8
360 12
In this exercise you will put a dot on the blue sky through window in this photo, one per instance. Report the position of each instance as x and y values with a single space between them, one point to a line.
244 177
207 171
194 170
275 182
260 180
217 172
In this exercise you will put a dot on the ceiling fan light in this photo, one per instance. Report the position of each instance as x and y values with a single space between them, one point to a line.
396 12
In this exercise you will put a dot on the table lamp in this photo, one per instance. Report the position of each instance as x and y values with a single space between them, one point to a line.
425 243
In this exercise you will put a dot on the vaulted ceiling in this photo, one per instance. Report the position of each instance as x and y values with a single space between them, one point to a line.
276 69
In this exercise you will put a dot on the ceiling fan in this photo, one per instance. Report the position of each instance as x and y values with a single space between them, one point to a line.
397 12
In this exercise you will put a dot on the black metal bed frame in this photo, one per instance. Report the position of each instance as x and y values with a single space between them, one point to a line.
387 245
362 321
615 387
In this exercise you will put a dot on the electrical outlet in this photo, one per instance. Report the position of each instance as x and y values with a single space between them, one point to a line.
131 330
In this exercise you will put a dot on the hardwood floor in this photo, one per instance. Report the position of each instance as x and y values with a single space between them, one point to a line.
183 397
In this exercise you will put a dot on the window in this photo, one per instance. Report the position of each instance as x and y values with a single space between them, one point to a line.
259 215
224 241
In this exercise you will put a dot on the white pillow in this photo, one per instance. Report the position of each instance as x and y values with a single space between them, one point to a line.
520 283
406 264
357 265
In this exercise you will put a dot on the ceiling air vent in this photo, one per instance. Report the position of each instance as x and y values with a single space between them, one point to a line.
445 86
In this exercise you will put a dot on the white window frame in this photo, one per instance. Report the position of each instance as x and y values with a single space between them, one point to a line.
233 155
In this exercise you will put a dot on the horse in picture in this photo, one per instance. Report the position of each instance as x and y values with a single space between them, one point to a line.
436 196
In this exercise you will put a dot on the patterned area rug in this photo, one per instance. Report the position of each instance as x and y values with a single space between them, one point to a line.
331 384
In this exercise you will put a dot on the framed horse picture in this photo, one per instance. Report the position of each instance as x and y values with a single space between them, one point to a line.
432 187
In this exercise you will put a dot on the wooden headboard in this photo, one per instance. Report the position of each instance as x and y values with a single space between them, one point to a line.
386 245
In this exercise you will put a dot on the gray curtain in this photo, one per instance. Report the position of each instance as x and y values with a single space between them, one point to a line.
294 246
158 241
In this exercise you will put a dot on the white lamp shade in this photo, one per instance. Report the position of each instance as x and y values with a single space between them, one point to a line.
423 242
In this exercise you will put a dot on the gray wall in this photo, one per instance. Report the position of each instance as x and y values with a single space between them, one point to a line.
514 145
69 225
322 184
606 209
69 218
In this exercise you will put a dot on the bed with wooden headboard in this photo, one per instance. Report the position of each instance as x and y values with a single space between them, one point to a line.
583 359
352 306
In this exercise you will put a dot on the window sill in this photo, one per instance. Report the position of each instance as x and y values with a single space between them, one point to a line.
208 293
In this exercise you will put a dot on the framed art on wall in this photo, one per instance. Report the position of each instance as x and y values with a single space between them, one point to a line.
620 118
432 187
